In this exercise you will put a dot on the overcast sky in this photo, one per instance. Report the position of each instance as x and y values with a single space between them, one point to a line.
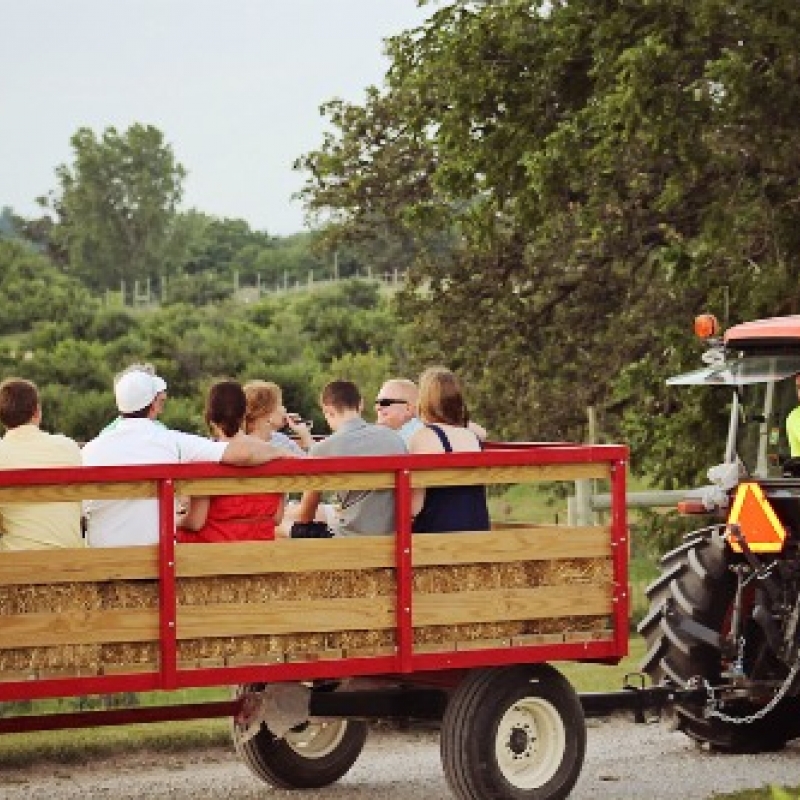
234 85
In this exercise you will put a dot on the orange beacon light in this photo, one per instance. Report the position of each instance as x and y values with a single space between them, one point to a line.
706 326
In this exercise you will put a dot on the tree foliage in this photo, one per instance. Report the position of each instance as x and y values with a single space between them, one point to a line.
608 169
57 336
117 206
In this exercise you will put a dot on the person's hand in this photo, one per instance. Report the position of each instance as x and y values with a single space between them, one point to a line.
298 425
300 428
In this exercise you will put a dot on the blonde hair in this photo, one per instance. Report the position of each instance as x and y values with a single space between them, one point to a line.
441 398
263 397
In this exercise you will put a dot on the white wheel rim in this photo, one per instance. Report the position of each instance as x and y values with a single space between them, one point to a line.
530 743
316 739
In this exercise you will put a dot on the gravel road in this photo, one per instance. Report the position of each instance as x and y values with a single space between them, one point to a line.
623 762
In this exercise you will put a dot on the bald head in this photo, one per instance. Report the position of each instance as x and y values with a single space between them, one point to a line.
395 414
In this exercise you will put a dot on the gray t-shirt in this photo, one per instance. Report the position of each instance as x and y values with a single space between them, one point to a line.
363 512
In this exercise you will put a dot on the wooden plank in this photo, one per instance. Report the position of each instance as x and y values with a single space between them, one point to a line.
87 565
377 613
540 543
483 644
435 647
526 639
369 652
345 481
509 605
545 542
537 543
589 636
273 657
125 669
326 615
534 473
62 492
285 555
79 627
27 675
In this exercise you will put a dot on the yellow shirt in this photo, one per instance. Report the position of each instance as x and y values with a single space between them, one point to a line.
36 526
793 431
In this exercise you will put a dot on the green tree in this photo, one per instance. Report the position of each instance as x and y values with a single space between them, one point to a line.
33 291
116 210
607 169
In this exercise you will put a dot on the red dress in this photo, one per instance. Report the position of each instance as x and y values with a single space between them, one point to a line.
237 518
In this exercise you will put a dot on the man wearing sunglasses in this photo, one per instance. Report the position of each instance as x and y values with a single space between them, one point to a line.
396 407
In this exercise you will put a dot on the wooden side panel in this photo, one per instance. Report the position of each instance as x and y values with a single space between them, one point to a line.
541 543
285 555
286 616
325 615
286 483
538 543
86 565
59 492
503 605
79 628
535 473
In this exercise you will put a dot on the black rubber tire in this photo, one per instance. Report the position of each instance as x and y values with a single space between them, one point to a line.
696 584
281 763
513 733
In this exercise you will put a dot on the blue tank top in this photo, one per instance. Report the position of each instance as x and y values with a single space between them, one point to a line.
452 508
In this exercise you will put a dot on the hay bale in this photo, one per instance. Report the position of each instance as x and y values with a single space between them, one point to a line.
49 598
285 586
82 658
129 594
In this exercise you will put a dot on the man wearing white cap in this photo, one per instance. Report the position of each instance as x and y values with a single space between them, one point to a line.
161 389
138 439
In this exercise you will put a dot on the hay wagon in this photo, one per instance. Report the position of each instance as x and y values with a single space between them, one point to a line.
320 636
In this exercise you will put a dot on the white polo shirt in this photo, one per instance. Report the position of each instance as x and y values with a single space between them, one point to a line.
119 523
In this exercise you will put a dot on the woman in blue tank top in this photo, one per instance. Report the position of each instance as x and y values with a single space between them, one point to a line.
442 408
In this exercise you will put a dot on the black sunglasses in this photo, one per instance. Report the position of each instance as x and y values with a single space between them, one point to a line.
385 402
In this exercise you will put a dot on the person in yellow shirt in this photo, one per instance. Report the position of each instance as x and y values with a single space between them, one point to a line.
793 425
34 526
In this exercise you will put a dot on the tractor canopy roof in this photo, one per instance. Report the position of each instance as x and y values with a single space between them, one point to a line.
776 333
761 351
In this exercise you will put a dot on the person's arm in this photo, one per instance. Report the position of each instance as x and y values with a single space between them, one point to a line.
279 510
250 451
309 503
196 515
478 430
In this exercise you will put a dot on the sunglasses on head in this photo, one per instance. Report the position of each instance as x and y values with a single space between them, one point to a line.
385 402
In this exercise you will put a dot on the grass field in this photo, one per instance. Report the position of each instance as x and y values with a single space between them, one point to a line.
774 793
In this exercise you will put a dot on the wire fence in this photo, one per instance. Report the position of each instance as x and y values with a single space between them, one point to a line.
149 293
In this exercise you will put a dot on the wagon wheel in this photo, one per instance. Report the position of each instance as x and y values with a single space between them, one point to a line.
514 733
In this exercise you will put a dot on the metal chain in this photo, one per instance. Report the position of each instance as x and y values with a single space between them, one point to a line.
762 712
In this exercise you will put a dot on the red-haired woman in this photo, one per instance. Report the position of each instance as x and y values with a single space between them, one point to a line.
236 517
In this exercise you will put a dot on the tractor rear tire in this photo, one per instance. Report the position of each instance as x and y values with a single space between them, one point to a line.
513 733
696 585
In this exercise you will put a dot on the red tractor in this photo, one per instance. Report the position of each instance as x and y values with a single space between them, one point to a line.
724 618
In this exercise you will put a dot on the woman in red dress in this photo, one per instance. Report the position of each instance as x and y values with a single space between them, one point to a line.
236 517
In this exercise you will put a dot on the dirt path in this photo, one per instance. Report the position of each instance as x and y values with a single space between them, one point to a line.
624 762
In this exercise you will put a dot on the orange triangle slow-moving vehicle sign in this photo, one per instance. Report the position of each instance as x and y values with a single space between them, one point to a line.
757 521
